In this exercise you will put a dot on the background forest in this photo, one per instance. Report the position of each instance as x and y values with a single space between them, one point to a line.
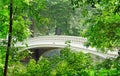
96 20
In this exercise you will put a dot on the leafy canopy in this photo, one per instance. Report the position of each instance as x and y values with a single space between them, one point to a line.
104 22
21 23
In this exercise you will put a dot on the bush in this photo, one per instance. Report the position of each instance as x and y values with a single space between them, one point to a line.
68 63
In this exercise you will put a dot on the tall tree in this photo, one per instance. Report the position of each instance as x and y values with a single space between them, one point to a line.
59 16
104 24
9 39
21 23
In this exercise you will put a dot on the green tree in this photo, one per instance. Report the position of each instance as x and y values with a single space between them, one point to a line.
57 13
67 63
21 24
104 22
59 19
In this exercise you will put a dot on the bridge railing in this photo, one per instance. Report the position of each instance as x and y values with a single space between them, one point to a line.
52 41
60 38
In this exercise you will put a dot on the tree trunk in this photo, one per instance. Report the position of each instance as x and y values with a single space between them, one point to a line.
57 31
9 40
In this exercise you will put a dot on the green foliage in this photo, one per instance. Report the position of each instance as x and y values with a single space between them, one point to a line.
104 22
59 14
16 69
68 63
21 23
4 23
22 31
107 37
2 59
108 67
101 17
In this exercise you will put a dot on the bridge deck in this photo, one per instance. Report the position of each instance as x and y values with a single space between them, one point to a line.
77 43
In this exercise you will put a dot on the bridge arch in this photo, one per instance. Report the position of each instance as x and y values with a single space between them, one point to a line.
76 43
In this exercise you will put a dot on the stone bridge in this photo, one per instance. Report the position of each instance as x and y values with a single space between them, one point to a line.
76 43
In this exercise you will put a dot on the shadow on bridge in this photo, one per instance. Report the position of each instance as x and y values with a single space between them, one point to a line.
40 44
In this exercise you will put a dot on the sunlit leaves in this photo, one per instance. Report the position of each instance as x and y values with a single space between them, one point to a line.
104 23
21 24
4 20
2 58
105 32
66 64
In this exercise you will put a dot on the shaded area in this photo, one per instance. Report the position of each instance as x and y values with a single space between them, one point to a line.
50 52
36 53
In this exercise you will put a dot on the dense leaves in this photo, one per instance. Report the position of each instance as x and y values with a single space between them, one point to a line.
104 22
99 21
68 63
19 21
58 16
21 24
